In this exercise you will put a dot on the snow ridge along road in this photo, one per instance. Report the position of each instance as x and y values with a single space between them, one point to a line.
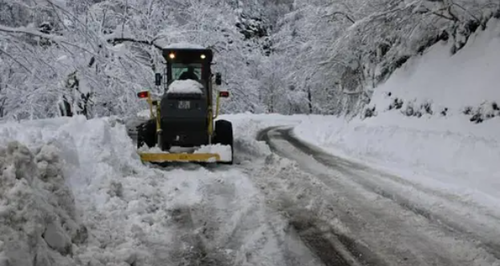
381 219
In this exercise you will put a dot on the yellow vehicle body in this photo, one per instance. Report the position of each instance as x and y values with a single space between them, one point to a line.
163 157
217 132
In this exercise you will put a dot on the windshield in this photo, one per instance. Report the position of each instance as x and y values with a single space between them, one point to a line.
186 71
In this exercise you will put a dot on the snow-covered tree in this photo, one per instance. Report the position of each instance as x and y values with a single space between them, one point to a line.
344 48
92 57
288 56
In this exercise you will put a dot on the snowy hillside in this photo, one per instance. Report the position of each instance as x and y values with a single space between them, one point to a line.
436 121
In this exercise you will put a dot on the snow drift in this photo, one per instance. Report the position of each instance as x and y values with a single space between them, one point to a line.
125 212
38 221
437 116
88 159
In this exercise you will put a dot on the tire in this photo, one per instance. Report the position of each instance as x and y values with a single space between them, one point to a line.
146 134
224 136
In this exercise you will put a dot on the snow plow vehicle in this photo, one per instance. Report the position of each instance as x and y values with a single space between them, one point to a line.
182 126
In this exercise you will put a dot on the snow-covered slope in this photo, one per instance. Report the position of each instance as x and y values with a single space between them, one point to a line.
436 121
468 78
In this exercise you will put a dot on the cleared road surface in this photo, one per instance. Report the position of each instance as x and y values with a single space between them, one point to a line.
350 214
336 212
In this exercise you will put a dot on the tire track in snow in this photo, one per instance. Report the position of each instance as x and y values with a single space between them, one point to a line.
333 182
348 168
191 249
210 234
228 225
329 244
244 224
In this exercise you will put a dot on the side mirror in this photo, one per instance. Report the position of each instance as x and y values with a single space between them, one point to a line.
224 94
158 78
218 79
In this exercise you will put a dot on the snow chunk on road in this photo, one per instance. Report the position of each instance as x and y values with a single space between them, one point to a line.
185 86
37 209
224 151
145 149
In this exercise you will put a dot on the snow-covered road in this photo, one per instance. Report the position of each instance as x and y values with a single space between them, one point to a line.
74 192
79 195
378 218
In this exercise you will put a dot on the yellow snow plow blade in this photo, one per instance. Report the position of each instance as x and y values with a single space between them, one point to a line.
179 157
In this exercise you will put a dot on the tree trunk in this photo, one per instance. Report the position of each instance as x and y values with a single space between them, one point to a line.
65 108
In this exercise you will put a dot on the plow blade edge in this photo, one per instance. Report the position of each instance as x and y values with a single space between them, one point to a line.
179 157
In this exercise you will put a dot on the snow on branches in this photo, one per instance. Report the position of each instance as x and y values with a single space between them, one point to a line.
322 56
342 49
91 58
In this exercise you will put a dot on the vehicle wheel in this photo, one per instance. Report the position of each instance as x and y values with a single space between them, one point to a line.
146 134
224 136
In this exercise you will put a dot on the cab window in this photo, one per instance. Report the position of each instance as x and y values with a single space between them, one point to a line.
186 71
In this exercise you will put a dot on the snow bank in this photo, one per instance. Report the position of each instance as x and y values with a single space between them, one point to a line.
96 155
38 223
136 214
420 127
185 86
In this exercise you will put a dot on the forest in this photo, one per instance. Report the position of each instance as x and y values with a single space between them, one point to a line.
91 57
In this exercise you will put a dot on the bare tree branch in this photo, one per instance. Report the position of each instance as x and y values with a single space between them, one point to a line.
345 15
15 60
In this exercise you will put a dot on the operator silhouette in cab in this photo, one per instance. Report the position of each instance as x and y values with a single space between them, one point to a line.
189 74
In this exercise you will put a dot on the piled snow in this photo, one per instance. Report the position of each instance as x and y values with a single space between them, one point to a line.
185 86
38 223
133 214
224 151
146 114
146 149
440 148
95 158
